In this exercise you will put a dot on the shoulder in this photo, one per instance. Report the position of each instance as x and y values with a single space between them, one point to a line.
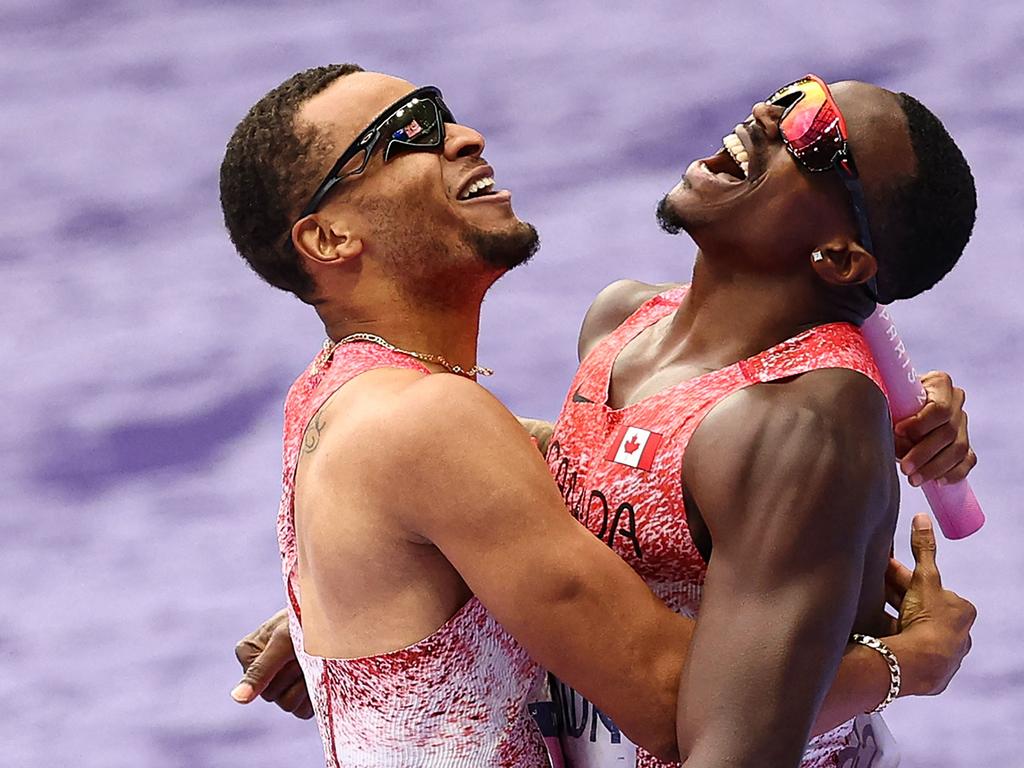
832 401
802 444
403 420
611 307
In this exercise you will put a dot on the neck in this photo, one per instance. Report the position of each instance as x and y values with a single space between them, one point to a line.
730 315
450 332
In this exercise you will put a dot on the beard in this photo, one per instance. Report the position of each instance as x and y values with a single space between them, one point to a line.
505 250
668 218
431 267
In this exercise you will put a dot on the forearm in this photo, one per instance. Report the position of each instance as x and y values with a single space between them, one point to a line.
862 681
860 685
539 430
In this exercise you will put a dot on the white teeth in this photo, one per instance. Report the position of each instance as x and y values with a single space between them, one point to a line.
735 148
476 186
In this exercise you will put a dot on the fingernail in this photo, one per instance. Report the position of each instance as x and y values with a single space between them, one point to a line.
909 467
915 480
242 693
922 523
942 481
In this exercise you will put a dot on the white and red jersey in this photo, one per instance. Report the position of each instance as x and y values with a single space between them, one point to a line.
620 473
456 699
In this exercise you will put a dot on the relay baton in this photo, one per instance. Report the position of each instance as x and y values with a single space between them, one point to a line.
954 505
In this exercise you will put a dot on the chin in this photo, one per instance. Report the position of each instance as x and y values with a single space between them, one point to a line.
675 210
505 248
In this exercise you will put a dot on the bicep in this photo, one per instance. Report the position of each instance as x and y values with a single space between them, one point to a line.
791 527
485 499
767 645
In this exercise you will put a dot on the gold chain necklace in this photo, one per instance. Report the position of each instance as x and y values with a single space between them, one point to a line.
330 346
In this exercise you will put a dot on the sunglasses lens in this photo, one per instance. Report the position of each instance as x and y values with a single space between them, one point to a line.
804 102
812 125
414 127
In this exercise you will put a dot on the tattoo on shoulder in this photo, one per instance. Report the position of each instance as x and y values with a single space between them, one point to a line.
312 437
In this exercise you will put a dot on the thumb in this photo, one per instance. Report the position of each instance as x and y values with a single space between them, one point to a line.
264 667
922 544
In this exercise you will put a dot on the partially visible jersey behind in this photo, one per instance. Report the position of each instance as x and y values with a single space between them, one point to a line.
620 473
456 699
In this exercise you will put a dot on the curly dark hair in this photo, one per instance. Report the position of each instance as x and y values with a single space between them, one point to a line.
922 224
270 166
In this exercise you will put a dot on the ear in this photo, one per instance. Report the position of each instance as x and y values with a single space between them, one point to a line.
326 242
843 263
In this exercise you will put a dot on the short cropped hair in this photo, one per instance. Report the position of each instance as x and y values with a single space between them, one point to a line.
269 167
922 223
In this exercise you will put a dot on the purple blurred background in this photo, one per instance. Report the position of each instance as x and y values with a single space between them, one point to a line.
144 367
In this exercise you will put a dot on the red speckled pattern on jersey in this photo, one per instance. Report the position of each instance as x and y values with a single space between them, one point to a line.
640 514
457 698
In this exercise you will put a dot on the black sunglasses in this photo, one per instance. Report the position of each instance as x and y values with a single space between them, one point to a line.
414 123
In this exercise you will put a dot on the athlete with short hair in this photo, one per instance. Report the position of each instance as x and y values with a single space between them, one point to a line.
422 538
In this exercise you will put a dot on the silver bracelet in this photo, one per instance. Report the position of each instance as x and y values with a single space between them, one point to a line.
895 677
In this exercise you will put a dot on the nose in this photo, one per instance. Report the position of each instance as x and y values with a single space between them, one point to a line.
767 116
462 141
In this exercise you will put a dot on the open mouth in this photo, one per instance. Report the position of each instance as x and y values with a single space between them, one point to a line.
483 187
737 153
731 163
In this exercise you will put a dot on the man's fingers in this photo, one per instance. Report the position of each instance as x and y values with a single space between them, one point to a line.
961 470
283 680
944 403
928 448
294 698
940 465
263 667
922 544
898 576
243 693
894 597
915 427
897 582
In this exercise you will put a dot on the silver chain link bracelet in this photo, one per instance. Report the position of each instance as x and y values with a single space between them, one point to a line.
895 676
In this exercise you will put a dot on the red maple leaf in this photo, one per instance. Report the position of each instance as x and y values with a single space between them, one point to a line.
631 445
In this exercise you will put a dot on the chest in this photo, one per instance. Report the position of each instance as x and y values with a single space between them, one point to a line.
646 367
620 475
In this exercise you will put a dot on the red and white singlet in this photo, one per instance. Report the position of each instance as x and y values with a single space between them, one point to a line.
456 699
620 473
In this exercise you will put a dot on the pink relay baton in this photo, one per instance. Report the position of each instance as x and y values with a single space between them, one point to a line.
955 506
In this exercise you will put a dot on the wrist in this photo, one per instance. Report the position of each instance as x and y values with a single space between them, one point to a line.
892 664
917 663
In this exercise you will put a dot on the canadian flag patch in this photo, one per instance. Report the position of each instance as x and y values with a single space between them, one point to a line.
634 447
